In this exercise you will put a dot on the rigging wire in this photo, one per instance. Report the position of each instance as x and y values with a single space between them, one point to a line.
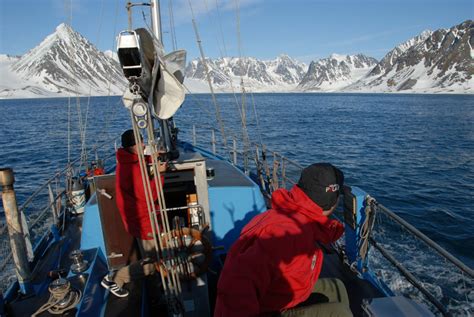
161 51
69 132
83 129
245 135
257 121
239 43
172 26
216 105
68 12
68 9
149 198
223 53
167 265
240 110
221 32
84 126
109 118
84 116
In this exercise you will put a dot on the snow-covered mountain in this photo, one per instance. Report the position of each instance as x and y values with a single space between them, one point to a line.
63 64
280 74
440 61
336 72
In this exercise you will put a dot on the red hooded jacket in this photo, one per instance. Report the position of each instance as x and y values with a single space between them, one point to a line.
130 195
275 262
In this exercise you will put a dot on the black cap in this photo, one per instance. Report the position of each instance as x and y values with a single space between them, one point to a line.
128 138
322 182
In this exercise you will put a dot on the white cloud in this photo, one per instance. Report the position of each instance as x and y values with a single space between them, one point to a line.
182 11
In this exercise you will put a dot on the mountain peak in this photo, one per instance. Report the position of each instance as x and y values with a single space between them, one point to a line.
338 57
66 62
63 27
282 72
430 61
284 57
336 71
65 31
425 33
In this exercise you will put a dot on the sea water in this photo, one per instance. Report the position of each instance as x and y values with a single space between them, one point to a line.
413 153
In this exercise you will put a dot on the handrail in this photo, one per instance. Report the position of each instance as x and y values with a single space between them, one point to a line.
45 209
31 225
41 187
241 152
61 172
40 215
410 277
427 240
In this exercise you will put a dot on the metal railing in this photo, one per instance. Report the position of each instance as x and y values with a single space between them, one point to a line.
41 210
437 279
271 169
413 265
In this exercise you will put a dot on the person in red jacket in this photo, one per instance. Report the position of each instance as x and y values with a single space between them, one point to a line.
131 203
276 261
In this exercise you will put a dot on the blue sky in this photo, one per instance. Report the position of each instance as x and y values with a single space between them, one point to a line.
304 29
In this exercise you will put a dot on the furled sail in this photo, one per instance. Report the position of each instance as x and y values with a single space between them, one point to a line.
168 93
160 77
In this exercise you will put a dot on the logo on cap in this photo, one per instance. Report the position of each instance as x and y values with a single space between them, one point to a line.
332 188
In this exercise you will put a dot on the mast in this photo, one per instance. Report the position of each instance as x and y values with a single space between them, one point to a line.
156 19
165 125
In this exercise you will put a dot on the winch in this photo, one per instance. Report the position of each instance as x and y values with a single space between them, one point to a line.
63 297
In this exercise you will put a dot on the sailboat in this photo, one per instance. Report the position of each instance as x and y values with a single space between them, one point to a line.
194 227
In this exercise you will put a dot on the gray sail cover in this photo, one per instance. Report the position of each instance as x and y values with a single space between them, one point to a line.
165 91
168 93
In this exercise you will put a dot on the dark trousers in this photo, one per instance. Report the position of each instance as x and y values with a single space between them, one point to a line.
139 269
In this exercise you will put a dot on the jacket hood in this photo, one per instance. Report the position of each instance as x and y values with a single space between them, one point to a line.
326 230
125 157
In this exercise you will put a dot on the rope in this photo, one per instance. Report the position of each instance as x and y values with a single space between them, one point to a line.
171 285
147 188
366 228
171 257
58 295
